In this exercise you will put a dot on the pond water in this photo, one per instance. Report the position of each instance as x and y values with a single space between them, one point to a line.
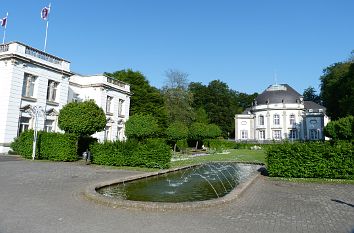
204 182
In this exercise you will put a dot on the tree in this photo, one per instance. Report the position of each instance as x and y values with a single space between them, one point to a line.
177 131
177 98
82 118
341 129
337 89
141 127
146 99
310 95
213 131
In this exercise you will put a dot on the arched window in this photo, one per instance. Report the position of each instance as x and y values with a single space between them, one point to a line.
261 120
292 119
276 119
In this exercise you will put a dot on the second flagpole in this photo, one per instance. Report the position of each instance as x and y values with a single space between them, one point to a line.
46 35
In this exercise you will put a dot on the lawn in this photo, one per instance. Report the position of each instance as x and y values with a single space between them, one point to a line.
234 155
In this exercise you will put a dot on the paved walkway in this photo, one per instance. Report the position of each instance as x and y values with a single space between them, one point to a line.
38 197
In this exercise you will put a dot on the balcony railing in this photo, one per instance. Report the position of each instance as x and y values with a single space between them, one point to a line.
4 48
42 55
115 82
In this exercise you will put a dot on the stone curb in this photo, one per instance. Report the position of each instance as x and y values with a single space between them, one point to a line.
91 194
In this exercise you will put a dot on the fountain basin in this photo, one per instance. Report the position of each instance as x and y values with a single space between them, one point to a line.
105 192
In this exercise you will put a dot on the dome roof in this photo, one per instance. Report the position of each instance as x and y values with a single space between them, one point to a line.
278 93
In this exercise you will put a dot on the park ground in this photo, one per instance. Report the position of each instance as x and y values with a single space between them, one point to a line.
41 196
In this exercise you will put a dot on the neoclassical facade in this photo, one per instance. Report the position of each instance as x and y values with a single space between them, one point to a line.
280 113
35 85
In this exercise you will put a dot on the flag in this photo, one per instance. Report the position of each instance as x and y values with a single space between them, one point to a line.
45 12
3 22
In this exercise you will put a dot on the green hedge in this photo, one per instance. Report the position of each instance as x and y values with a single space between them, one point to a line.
153 153
311 160
219 144
50 146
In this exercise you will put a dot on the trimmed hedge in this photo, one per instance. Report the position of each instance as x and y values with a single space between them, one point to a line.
219 144
50 146
153 153
311 160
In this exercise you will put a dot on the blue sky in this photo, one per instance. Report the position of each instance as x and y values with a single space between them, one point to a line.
242 43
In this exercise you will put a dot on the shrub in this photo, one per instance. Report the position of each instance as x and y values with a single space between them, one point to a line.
141 126
150 153
341 129
311 160
50 146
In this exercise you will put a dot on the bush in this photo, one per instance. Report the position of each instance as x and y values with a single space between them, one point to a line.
151 153
311 160
341 129
50 146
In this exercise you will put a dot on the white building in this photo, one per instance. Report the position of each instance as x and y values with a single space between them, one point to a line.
33 79
280 113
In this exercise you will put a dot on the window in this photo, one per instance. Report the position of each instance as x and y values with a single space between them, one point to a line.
120 107
293 134
314 134
107 133
24 124
28 85
244 134
292 119
276 119
52 90
48 125
262 134
277 134
109 104
261 120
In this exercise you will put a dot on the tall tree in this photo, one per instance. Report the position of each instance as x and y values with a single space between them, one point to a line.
337 89
146 99
177 98
310 95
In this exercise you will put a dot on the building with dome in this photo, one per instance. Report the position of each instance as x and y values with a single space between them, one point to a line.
280 113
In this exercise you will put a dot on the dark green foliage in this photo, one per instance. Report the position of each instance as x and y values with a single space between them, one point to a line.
311 160
141 127
82 118
177 131
153 153
50 146
310 95
337 89
146 99
341 129
23 145
220 103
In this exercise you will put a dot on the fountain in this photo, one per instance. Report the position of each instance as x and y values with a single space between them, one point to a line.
205 182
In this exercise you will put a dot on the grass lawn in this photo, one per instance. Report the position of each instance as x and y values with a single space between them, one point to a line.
239 155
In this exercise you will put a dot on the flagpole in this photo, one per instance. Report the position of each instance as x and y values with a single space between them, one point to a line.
3 38
46 29
46 34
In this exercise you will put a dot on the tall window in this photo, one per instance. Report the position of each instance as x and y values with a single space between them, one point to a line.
292 119
276 119
277 134
120 107
293 134
107 133
314 134
48 125
261 134
24 124
28 85
261 120
244 134
52 90
109 104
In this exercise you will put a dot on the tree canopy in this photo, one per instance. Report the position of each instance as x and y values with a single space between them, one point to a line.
82 118
310 95
141 126
337 89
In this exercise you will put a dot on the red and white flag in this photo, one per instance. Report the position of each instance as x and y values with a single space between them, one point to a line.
3 22
45 12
